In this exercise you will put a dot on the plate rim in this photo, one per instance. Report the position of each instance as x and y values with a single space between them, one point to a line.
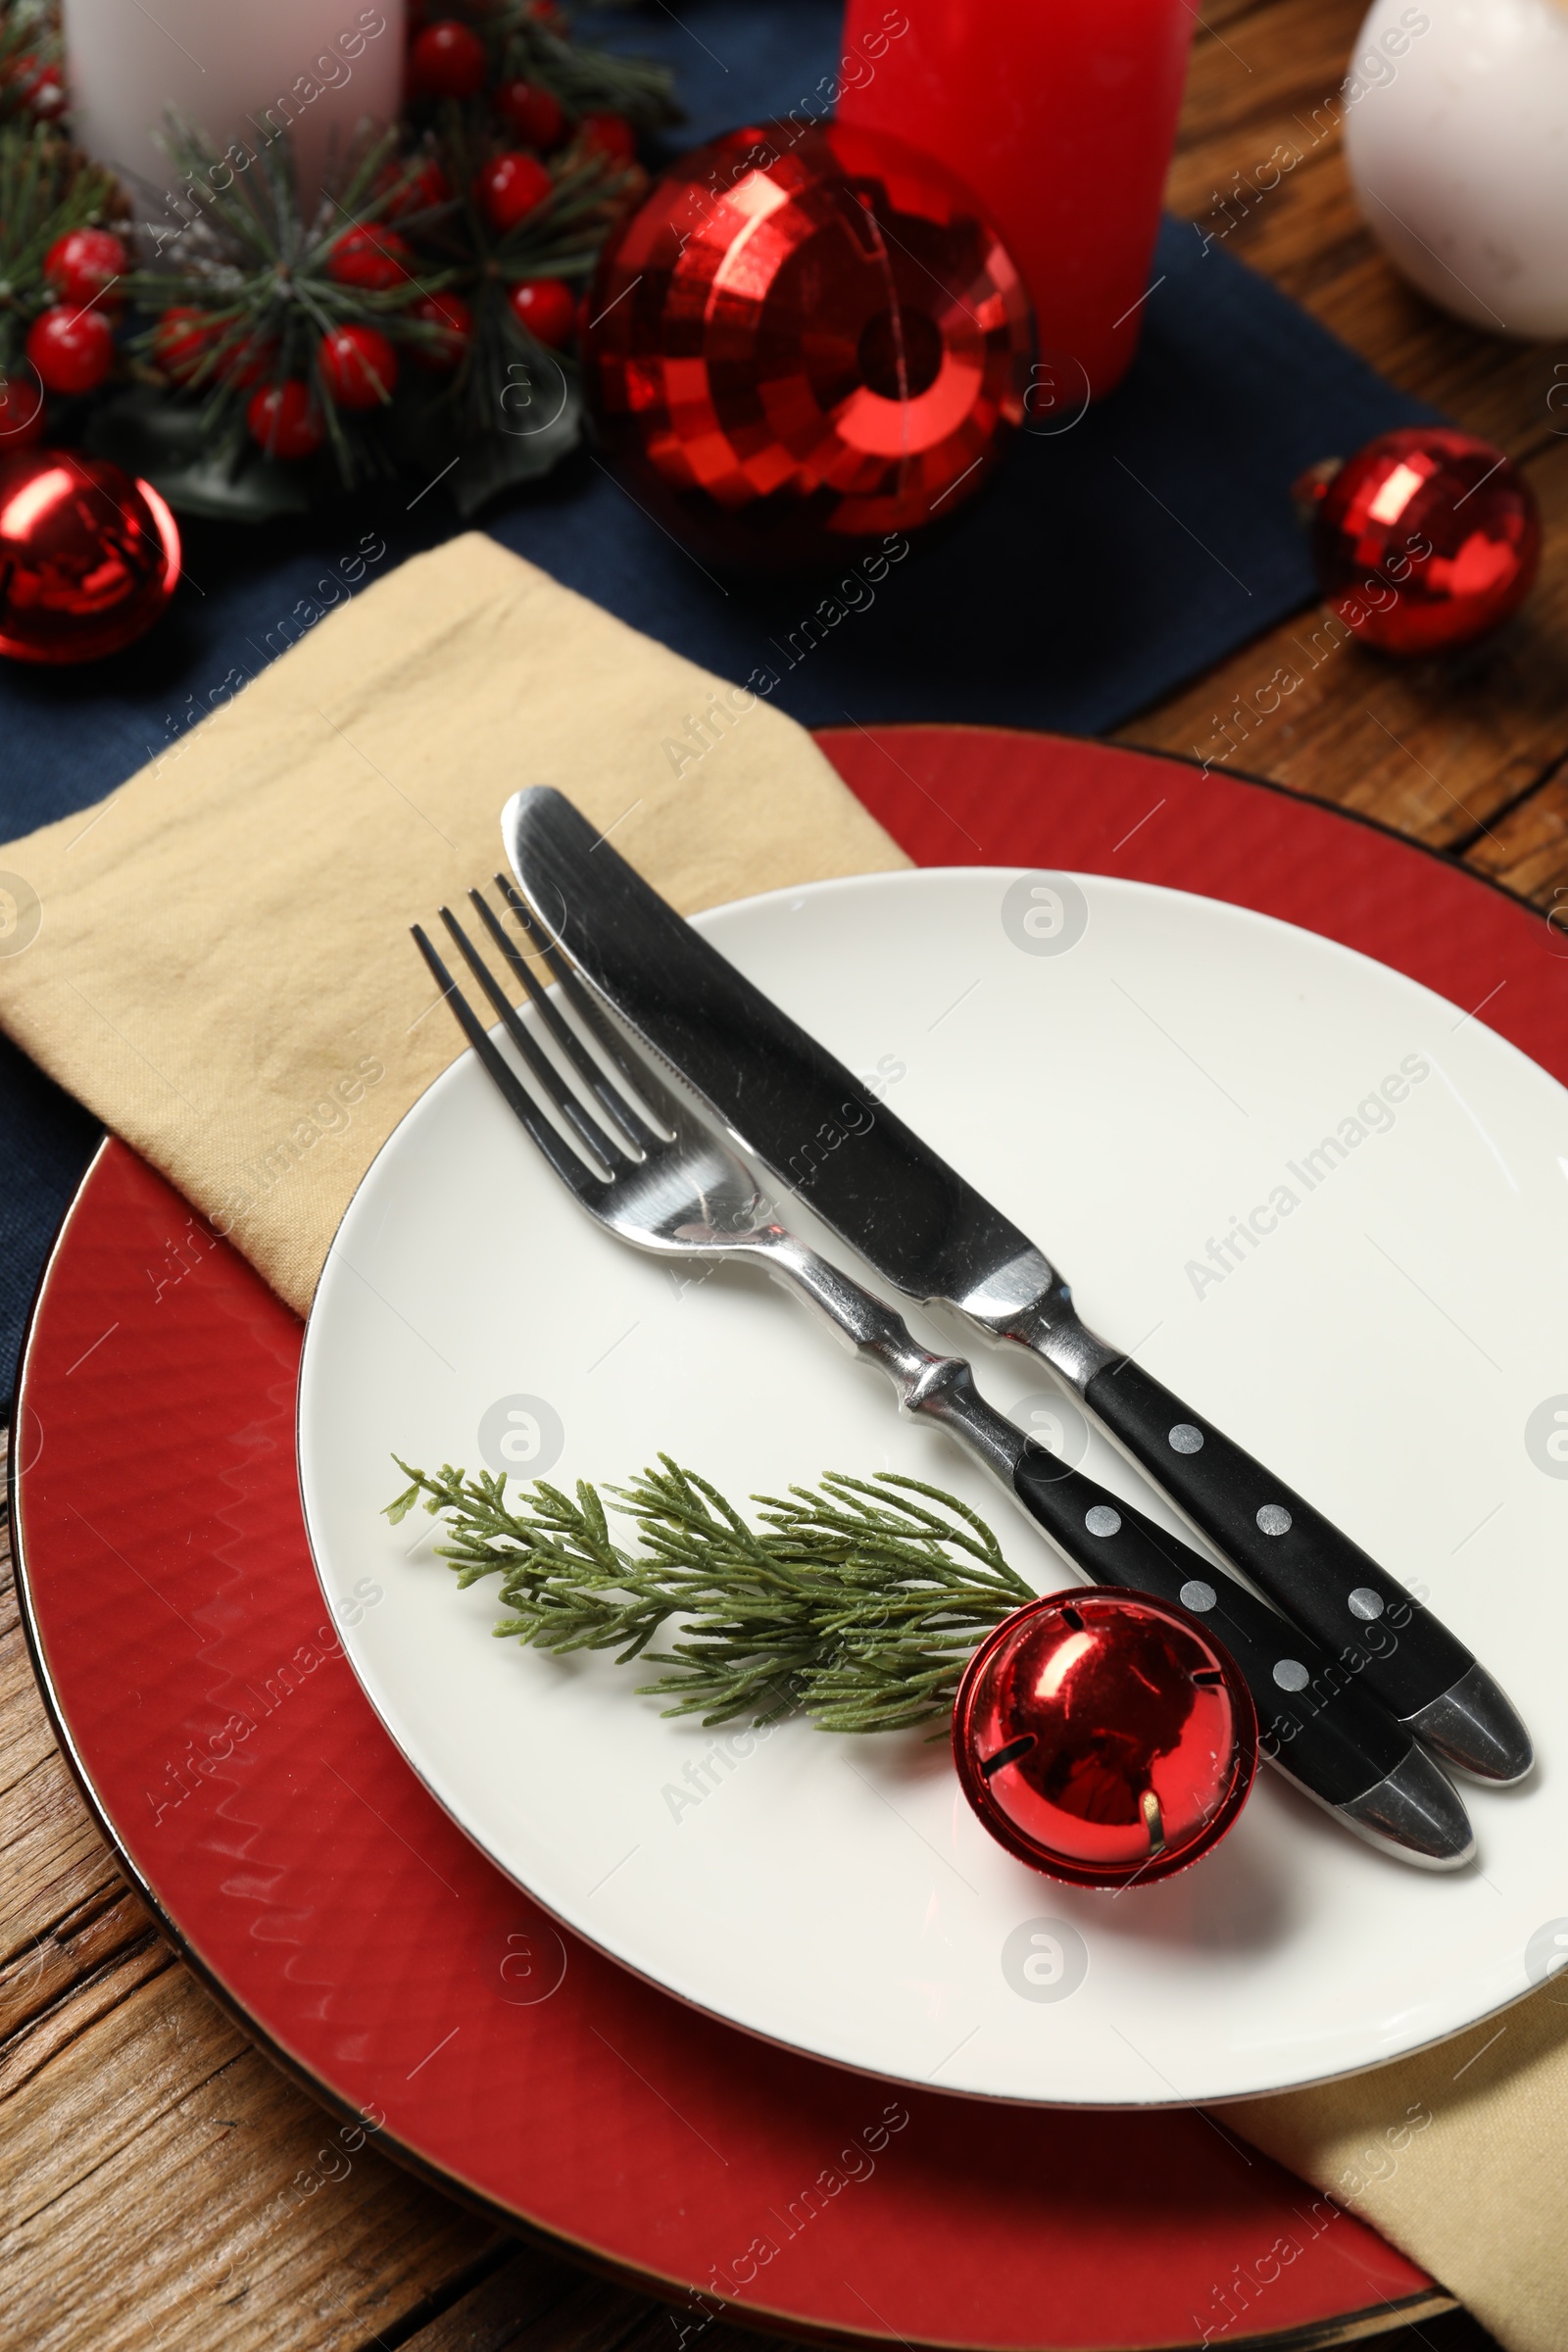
755 2318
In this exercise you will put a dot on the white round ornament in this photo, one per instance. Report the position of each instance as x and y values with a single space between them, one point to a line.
1456 137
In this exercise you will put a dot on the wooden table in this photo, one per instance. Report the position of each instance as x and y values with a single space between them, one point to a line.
143 2141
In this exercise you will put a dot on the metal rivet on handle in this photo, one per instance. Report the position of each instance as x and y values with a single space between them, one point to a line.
1185 1438
1364 1603
1102 1520
1290 1675
1274 1519
1197 1596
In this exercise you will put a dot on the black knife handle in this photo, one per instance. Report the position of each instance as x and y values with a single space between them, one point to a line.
1313 1717
1360 1614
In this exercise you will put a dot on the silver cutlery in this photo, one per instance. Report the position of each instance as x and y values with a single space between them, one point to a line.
923 1229
651 1171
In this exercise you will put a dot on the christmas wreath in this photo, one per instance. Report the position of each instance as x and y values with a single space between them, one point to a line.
250 350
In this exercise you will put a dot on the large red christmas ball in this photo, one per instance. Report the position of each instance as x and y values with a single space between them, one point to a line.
88 556
805 340
1426 539
1103 1738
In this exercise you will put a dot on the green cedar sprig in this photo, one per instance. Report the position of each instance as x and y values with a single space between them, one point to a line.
857 1601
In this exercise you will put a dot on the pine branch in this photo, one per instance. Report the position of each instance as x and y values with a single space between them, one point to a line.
530 43
856 1602
45 189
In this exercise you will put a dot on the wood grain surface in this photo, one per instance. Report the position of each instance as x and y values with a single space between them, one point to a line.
143 2141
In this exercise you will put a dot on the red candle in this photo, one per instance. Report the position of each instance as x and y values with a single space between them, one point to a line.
1061 115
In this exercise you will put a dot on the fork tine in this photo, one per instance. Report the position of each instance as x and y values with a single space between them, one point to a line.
637 1075
636 1130
588 1186
544 1076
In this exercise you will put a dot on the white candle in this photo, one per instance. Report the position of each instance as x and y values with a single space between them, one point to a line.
247 71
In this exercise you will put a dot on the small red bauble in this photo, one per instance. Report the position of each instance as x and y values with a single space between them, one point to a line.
357 366
83 264
88 556
511 187
447 60
1103 1738
547 306
453 319
610 135
20 413
1427 539
72 349
803 341
376 259
534 112
285 421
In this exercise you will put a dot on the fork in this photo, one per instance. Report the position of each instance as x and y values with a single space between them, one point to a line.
650 1169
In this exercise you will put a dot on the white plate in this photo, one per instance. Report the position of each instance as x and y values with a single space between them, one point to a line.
1384 1347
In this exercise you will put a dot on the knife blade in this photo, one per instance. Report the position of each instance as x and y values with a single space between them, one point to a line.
930 1234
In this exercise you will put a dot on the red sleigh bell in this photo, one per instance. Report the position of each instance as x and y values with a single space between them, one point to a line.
1103 1738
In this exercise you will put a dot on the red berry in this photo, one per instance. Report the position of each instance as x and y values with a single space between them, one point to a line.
357 366
610 135
373 258
81 264
534 112
20 414
453 319
511 187
546 308
415 192
285 420
181 341
72 350
186 342
448 61
40 86
246 366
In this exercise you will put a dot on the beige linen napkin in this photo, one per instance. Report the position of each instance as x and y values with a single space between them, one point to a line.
1459 2156
223 971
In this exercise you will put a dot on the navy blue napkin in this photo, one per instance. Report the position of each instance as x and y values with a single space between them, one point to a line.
1107 564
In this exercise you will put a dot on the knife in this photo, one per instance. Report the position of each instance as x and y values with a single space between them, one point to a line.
933 1237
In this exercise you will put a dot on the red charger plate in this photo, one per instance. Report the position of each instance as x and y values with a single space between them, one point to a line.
227 1749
